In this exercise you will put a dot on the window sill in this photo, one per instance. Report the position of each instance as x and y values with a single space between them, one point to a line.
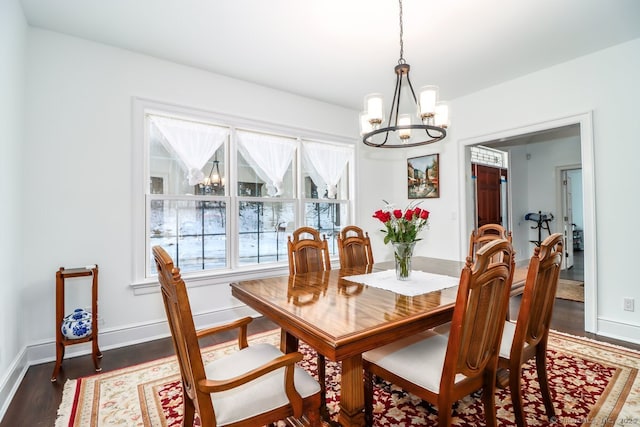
222 277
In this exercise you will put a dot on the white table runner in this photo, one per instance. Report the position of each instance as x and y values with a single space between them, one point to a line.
419 283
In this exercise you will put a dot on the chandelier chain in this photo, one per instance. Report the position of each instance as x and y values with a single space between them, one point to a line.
401 60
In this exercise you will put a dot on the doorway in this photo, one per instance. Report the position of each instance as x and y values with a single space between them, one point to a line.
531 187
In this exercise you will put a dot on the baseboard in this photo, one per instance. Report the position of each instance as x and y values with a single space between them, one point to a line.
618 330
11 381
44 352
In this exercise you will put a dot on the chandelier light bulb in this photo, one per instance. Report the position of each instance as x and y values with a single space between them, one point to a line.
365 125
442 115
427 101
404 120
374 108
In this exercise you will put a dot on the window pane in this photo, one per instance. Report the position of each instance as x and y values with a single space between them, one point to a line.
168 173
250 184
318 190
193 232
328 218
263 230
265 164
325 168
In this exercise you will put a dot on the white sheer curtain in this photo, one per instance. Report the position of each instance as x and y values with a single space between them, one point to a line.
325 163
193 143
269 156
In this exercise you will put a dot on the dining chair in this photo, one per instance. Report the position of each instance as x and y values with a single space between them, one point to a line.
354 247
527 337
442 369
309 253
253 386
485 234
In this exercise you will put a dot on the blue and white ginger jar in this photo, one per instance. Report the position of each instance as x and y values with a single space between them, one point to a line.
77 324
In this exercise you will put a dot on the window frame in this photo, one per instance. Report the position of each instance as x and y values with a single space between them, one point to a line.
142 282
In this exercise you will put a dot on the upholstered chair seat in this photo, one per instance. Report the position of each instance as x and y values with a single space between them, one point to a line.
259 396
427 348
507 339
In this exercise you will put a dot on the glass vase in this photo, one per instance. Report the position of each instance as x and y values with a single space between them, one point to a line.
403 251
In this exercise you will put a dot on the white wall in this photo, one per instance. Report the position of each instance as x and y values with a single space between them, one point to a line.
13 31
543 180
383 176
79 160
604 83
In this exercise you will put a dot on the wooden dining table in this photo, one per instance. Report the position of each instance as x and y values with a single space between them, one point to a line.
342 319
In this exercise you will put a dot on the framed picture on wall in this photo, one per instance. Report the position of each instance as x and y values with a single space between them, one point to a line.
423 177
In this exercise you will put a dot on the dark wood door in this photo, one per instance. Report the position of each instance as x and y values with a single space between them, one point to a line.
488 194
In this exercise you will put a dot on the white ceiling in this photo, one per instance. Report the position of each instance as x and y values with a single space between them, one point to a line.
339 50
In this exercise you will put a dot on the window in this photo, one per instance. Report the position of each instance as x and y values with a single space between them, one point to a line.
488 156
222 196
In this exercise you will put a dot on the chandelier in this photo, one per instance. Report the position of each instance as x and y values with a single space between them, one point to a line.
403 130
214 183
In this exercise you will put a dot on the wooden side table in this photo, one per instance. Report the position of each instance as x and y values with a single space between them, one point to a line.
61 341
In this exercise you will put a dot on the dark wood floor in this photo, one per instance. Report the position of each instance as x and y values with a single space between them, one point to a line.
37 399
577 271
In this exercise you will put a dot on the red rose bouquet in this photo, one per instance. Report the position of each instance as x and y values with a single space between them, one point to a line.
402 226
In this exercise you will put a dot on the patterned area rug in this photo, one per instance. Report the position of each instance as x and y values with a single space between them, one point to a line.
592 383
572 290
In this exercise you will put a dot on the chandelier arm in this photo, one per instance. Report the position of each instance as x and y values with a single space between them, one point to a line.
413 93
395 103
429 133
216 164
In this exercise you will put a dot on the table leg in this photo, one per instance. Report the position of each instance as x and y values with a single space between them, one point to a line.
288 342
352 393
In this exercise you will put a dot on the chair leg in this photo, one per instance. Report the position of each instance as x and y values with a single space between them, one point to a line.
322 380
368 398
541 367
189 412
489 398
515 387
314 418
444 412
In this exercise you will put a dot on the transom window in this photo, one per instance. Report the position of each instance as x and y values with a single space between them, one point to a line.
222 196
489 156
